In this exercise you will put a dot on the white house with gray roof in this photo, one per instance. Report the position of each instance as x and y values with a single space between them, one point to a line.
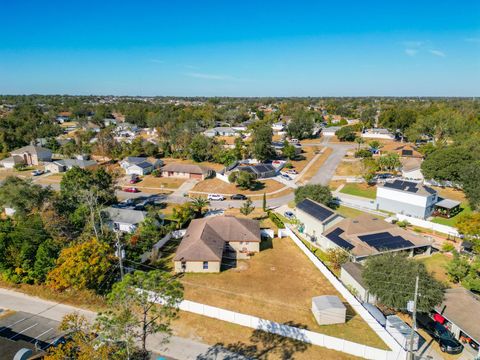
407 198
315 218
138 165
124 220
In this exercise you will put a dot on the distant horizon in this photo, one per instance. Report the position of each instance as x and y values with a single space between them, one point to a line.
248 49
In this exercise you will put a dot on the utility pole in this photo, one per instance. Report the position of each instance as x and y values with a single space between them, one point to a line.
120 255
414 321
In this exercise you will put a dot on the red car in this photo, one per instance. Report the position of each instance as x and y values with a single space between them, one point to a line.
131 190
134 180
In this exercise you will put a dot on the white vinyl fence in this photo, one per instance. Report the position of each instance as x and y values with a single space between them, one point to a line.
444 229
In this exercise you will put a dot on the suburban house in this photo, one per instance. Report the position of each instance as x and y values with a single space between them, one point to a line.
378 133
406 197
459 311
401 149
330 131
10 162
315 218
33 155
136 165
367 235
211 241
186 171
278 126
411 168
351 277
220 131
261 171
66 164
279 145
124 220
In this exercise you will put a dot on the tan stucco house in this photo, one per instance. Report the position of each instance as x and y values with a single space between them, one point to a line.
209 240
33 155
186 171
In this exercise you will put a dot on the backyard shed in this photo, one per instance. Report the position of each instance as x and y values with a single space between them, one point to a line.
328 309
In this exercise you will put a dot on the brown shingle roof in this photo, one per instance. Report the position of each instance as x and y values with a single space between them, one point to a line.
205 238
187 168
367 224
462 307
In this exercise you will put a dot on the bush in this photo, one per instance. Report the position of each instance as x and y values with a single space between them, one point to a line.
288 165
276 220
363 153
448 247
346 133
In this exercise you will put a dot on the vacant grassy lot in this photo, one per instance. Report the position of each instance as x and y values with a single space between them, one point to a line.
349 168
305 157
252 343
150 182
363 190
436 264
218 186
348 212
276 284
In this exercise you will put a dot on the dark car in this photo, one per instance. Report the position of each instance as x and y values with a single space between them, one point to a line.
238 197
440 334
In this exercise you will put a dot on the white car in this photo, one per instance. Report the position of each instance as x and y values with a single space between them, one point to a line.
37 172
215 197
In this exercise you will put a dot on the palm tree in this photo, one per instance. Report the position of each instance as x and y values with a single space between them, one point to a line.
199 203
375 146
359 140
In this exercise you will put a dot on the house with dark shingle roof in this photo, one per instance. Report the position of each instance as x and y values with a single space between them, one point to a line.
186 171
209 240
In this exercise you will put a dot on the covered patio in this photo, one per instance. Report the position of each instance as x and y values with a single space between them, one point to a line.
447 208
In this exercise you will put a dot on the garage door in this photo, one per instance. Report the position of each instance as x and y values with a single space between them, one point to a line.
196 176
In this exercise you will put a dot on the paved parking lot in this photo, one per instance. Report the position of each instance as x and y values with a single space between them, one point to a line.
31 328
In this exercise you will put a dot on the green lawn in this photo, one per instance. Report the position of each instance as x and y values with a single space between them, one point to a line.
453 220
362 190
436 264
348 212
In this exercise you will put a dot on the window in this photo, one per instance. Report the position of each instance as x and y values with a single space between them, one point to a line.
205 265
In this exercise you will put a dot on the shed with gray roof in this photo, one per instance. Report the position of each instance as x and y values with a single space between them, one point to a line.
329 309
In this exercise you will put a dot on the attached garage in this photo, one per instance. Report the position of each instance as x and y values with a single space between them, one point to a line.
187 171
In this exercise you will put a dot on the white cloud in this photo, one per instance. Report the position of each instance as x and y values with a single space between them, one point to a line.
437 53
411 52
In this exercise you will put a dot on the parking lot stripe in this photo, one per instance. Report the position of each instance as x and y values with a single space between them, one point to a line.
21 332
9 326
43 333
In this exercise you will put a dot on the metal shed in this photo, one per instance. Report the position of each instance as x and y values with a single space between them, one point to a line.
328 309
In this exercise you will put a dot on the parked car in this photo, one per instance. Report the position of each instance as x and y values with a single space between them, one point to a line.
293 141
131 190
215 197
238 197
134 179
440 334
285 176
292 172
289 215
37 172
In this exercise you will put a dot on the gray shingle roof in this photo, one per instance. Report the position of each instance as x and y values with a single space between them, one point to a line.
126 216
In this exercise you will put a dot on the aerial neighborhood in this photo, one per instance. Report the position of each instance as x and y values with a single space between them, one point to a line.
326 218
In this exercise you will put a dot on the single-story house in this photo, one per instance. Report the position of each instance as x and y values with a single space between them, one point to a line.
138 165
186 171
330 131
315 218
460 308
10 162
412 168
33 155
378 133
401 149
124 220
351 277
278 126
261 171
279 145
406 197
220 131
66 164
210 241
367 235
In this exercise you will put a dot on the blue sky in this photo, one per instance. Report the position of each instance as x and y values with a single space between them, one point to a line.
241 48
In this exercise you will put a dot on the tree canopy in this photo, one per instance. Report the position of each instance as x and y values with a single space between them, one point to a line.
318 193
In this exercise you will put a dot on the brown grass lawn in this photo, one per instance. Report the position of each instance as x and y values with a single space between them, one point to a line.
51 179
312 170
334 184
214 166
229 140
436 264
307 155
155 183
311 141
213 332
349 168
276 284
4 173
450 193
218 186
